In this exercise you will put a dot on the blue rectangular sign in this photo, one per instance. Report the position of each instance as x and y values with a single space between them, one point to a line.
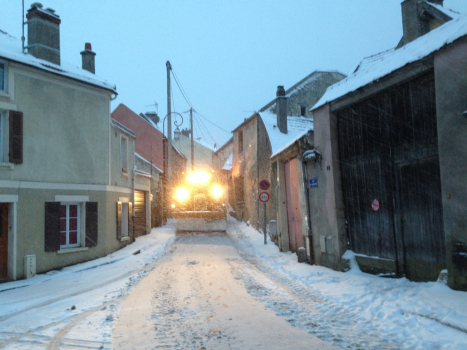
314 182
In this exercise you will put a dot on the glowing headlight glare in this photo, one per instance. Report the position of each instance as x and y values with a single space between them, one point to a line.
217 191
198 178
181 194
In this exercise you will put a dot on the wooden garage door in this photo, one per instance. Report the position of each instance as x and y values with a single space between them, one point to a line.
140 213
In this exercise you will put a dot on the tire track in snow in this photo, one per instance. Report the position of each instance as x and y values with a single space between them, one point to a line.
330 323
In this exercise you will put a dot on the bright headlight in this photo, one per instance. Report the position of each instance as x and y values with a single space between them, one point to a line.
216 191
181 194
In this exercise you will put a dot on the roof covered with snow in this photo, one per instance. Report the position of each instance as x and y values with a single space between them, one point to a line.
11 49
296 128
448 12
390 61
146 161
122 128
228 163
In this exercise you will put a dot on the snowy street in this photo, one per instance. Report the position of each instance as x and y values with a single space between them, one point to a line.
224 292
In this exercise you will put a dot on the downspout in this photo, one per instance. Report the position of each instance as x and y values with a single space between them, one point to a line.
308 210
133 201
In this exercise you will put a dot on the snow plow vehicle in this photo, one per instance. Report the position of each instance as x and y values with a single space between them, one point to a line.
198 204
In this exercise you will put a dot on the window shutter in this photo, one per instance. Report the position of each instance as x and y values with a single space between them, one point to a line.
119 221
52 226
16 137
91 224
130 219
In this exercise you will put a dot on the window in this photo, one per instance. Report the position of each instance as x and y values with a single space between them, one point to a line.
123 153
3 80
125 220
240 141
69 225
303 111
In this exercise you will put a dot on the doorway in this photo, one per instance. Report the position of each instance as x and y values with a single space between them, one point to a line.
3 241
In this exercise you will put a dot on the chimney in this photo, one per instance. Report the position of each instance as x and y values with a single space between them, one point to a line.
43 33
88 57
414 24
281 109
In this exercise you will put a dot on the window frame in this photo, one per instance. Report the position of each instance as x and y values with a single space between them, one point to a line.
125 219
240 141
78 225
5 77
2 137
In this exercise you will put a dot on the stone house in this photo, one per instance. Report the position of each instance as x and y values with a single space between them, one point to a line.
264 134
149 158
392 145
223 163
61 172
203 153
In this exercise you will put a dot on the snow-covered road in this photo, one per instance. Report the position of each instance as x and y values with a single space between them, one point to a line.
224 291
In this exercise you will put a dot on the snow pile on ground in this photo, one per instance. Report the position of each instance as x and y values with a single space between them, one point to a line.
86 293
417 315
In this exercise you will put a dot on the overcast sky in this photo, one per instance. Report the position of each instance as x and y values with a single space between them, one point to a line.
229 55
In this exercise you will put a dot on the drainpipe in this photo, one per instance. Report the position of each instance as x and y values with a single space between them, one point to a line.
133 200
305 178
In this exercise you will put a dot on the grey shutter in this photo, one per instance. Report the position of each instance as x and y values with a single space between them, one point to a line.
16 137
52 226
119 221
91 224
130 219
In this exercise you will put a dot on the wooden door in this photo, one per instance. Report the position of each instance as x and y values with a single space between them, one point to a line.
294 218
421 217
3 240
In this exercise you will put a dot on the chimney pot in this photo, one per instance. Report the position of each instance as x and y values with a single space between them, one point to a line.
280 91
88 46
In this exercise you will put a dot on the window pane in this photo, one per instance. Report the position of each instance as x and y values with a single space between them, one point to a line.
62 238
62 211
73 224
63 225
2 77
73 237
73 211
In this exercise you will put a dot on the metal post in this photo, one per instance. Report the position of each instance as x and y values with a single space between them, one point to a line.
265 218
169 127
192 142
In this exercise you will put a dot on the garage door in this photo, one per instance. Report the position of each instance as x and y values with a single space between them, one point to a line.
140 213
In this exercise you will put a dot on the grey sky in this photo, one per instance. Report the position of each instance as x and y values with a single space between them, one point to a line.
229 55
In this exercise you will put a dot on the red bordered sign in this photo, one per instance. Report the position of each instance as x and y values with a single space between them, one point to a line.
264 185
375 205
263 197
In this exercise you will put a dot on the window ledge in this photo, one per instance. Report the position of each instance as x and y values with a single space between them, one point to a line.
5 94
72 250
4 165
125 175
123 239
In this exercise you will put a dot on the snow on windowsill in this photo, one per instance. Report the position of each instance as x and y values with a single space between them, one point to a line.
72 250
123 239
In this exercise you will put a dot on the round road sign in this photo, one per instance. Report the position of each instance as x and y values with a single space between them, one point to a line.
264 185
264 197
375 205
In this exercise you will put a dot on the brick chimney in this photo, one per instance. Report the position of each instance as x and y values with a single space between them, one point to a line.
281 109
43 33
88 57
414 23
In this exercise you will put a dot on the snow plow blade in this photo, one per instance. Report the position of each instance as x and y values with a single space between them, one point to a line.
200 221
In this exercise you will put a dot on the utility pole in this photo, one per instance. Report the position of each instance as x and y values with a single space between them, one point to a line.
192 143
169 129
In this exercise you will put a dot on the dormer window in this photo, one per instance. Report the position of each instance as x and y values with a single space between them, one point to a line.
3 82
